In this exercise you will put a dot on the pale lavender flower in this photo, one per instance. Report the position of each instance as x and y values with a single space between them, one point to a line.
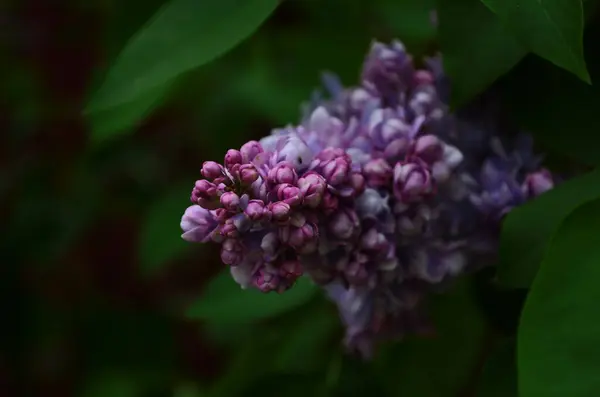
537 183
198 224
412 181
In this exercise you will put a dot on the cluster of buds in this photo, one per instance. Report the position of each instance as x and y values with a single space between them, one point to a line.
379 195
269 204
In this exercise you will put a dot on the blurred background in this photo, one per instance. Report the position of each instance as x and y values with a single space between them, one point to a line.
100 296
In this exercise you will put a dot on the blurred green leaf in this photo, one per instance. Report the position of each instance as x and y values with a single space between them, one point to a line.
295 346
188 389
409 20
307 343
73 209
558 344
184 34
552 29
351 376
286 64
224 301
300 340
114 121
250 361
119 384
476 47
556 107
160 237
527 230
229 336
258 86
441 365
499 377
139 342
285 384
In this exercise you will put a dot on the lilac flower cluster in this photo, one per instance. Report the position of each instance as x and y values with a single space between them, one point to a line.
379 195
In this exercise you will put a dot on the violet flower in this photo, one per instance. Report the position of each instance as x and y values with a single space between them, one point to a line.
379 195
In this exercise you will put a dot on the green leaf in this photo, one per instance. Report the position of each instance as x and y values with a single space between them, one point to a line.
527 230
441 365
160 238
352 376
308 335
552 29
301 340
264 83
499 377
183 35
476 47
555 102
125 339
118 120
558 344
224 301
409 21
257 361
188 389
285 384
113 384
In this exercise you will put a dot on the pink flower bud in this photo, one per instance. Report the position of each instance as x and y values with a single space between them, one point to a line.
270 243
250 150
228 229
393 128
233 157
329 203
330 153
297 219
302 239
289 194
282 173
221 215
232 252
211 170
429 148
412 181
280 211
255 210
423 77
378 173
359 98
373 240
230 201
247 174
204 189
266 281
205 194
396 149
291 270
357 183
385 125
312 186
335 171
343 224
223 180
537 183
356 272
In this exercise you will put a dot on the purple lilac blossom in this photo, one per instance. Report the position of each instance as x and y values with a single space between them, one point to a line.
379 195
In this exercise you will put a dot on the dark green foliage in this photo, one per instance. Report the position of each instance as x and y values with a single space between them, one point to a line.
557 344
112 108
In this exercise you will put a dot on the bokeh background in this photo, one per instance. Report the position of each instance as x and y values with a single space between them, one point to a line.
101 297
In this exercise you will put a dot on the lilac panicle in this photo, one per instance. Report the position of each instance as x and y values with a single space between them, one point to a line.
379 195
